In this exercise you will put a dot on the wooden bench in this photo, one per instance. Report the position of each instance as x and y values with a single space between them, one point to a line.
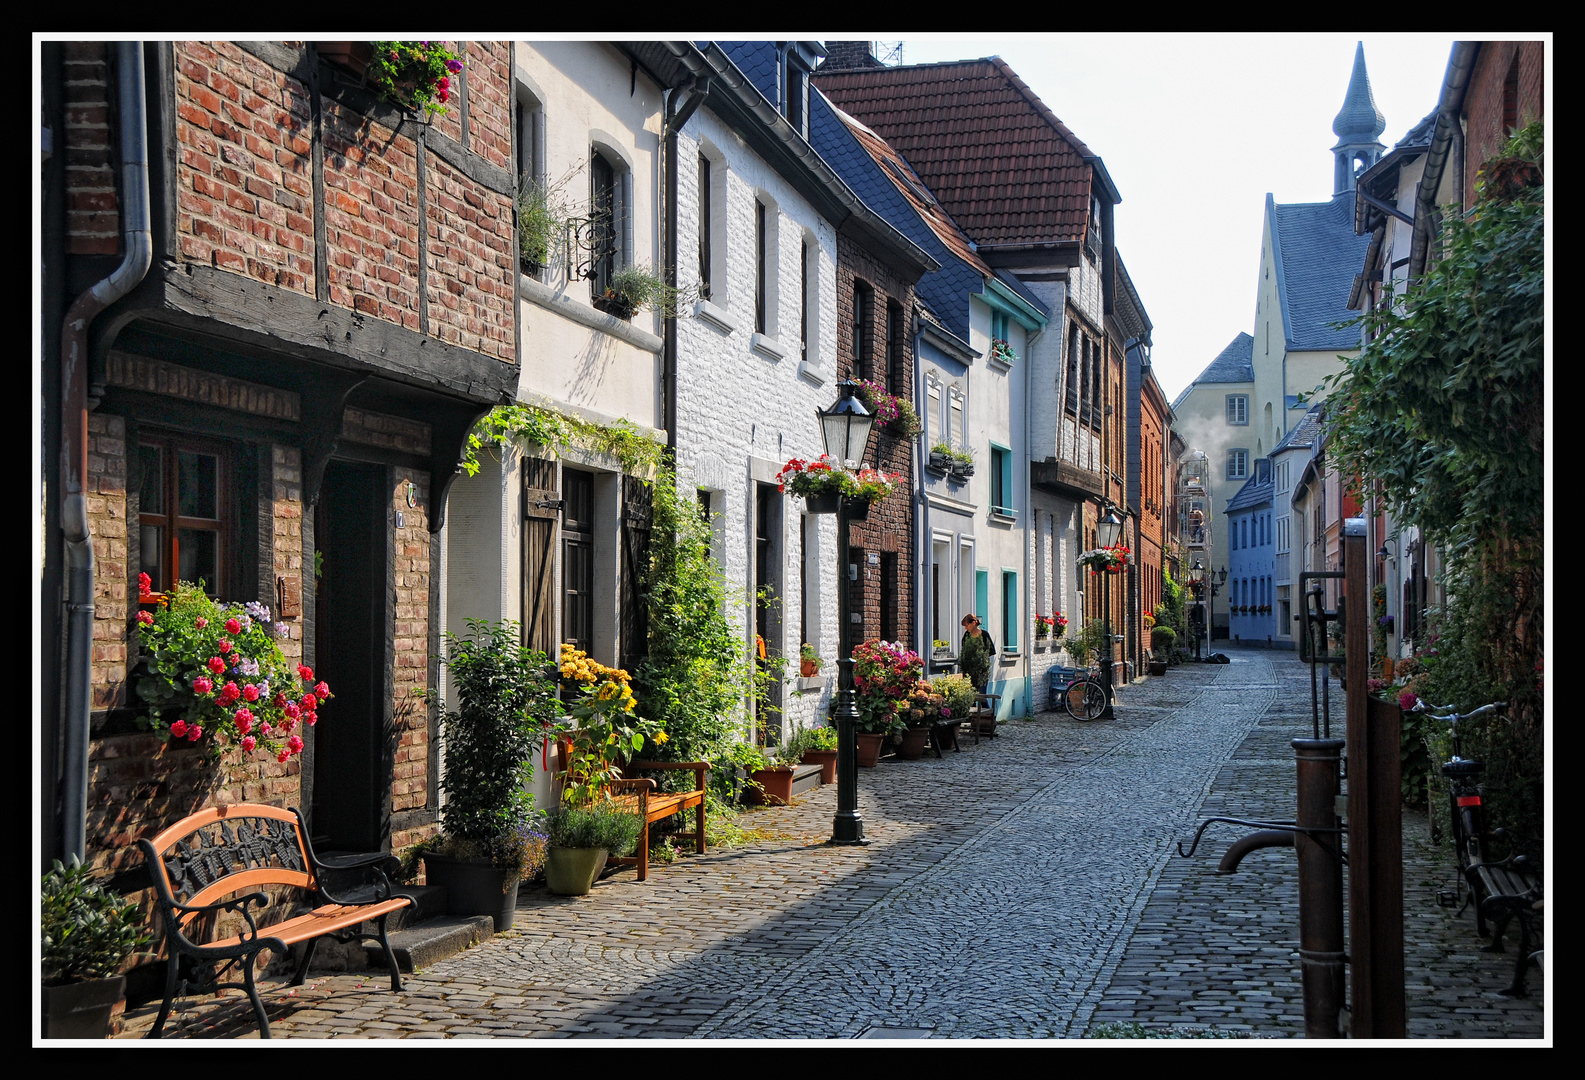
1511 892
226 850
640 797
982 718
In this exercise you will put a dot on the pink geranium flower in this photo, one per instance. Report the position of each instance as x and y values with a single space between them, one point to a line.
250 692
200 622
145 618
223 645
295 745
322 691
217 665
305 673
233 627
248 743
202 685
179 728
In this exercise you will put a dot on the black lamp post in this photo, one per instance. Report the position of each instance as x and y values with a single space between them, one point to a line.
1108 532
1197 580
845 427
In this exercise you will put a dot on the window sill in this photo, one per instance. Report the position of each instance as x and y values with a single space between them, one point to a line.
543 296
802 685
717 317
768 346
1001 515
997 364
809 371
1009 656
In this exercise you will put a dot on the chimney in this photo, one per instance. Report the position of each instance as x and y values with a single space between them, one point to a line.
849 56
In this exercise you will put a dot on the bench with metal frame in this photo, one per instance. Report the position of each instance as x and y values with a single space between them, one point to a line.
220 852
1509 890
639 796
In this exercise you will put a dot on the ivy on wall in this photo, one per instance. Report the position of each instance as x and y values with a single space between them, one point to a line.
551 430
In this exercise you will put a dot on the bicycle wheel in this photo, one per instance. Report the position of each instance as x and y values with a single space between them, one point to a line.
1085 700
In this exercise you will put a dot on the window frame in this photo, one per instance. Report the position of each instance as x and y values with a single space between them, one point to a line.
173 522
706 237
1002 480
862 329
1242 403
1243 459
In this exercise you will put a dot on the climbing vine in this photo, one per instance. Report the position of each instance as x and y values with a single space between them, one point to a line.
551 430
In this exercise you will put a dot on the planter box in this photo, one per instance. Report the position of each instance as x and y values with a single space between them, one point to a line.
827 760
474 887
775 787
867 749
82 1010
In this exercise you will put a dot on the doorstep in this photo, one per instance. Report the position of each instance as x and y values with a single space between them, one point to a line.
424 934
805 778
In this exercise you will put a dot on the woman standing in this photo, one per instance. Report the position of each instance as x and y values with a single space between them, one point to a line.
976 652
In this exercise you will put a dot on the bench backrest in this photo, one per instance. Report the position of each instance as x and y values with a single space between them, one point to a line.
228 849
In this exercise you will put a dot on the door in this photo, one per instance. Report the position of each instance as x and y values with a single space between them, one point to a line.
353 743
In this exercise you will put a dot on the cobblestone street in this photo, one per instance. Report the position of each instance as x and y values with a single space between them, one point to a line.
1027 887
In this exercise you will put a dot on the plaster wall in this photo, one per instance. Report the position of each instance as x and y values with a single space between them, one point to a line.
746 403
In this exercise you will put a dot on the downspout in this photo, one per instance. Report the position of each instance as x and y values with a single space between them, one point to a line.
924 544
78 677
1459 66
675 119
1029 521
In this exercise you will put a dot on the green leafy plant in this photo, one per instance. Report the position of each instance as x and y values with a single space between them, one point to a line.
817 737
86 930
884 675
218 668
543 210
1087 643
974 659
809 654
548 430
957 691
415 75
1001 350
605 733
506 703
894 415
825 476
634 288
596 825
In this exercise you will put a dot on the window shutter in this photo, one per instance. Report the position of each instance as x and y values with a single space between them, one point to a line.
637 515
541 528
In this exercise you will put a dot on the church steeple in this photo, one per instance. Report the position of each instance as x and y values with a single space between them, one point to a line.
1357 127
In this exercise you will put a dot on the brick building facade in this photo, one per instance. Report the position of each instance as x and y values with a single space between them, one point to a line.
326 312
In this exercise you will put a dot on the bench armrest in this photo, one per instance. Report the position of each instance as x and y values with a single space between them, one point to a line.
239 904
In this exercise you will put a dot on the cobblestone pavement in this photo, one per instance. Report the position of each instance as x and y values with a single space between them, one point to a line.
1026 887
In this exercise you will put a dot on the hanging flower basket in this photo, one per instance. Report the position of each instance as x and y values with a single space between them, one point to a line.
822 482
1112 560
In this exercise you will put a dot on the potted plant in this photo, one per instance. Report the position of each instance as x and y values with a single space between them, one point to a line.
505 696
1112 560
542 215
815 746
581 839
895 416
823 482
413 75
1002 351
633 288
923 707
962 463
941 456
87 932
884 675
957 694
214 673
809 661
769 779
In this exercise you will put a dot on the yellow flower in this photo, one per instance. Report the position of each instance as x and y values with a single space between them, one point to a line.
661 738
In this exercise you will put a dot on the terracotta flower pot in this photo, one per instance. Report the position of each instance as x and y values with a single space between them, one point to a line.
809 669
827 760
867 748
775 787
912 748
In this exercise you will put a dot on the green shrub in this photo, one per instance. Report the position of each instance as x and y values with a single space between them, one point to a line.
598 825
86 930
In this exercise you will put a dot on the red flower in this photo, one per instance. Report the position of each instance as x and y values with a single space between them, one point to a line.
201 622
223 645
313 718
1408 700
145 618
233 627
443 96
194 732
305 672
322 691
217 665
229 693
282 756
309 702
295 745
248 743
280 700
245 720
145 586
202 685
250 692
292 710
179 728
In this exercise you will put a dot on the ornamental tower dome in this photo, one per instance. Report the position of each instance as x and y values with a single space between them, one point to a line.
1358 125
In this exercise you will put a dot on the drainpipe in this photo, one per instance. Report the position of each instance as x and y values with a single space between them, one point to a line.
694 89
1029 517
1443 136
78 681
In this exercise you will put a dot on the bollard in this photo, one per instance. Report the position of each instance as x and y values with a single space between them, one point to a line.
1320 885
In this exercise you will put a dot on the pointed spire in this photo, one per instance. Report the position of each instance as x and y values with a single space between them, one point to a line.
1360 120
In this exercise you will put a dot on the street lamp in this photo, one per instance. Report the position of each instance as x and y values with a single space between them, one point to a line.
1197 581
845 427
1108 532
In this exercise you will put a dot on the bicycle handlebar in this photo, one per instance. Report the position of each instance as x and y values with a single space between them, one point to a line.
1422 706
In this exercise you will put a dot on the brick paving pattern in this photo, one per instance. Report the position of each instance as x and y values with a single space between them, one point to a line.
1026 887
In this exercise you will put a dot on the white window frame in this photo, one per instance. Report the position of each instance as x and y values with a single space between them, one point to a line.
1238 410
1241 456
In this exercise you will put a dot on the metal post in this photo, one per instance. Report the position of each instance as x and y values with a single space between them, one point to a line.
1320 885
1106 625
848 825
1375 819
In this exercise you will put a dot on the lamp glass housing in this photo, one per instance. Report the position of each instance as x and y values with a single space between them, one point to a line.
845 426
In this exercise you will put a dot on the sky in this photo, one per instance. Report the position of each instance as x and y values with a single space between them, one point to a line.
1195 129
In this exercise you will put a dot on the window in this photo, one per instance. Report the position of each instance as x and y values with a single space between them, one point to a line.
999 326
896 351
1001 480
863 301
889 621
706 273
183 512
1237 464
1071 397
759 267
795 92
982 588
803 301
605 210
1282 535
1009 609
933 416
1238 408
577 559
956 433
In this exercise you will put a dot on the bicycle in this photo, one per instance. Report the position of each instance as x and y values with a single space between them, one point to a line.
1466 815
1084 697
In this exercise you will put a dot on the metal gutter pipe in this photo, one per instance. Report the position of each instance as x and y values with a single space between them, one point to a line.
1459 66
139 244
675 119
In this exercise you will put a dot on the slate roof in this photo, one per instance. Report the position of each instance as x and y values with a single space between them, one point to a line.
1000 162
1254 493
1317 256
1303 433
1233 364
1017 286
1419 135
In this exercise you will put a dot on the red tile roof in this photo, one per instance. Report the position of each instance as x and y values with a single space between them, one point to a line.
912 188
1007 170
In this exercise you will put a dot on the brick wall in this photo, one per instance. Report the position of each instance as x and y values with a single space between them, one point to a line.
472 263
890 527
371 216
489 101
93 217
107 524
287 528
410 781
244 183
1484 110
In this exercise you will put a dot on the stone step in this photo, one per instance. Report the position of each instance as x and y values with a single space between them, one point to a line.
432 940
805 778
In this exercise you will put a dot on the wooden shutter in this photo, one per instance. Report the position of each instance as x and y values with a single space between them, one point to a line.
541 528
637 516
